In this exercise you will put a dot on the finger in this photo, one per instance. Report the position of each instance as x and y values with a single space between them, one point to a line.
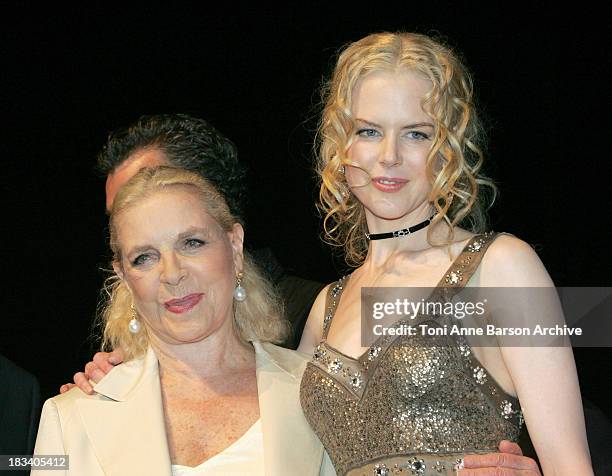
499 460
497 472
511 447
101 360
67 386
90 368
81 380
93 372
116 357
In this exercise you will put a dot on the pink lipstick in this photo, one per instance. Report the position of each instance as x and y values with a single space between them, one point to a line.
388 184
184 304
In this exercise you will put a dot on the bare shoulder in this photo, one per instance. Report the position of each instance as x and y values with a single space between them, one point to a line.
313 330
510 261
317 311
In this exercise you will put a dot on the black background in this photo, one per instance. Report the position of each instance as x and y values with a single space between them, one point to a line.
72 76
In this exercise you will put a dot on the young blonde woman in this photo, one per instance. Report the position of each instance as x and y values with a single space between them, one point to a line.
401 190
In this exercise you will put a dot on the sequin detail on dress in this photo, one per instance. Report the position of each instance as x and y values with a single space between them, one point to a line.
406 407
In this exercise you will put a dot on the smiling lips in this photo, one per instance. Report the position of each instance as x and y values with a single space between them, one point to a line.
388 184
184 304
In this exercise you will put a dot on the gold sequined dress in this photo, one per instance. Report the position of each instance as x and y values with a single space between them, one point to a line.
405 407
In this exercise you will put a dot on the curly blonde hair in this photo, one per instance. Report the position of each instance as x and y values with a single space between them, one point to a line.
460 193
257 318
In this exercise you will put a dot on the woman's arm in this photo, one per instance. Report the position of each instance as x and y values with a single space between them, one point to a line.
313 330
544 377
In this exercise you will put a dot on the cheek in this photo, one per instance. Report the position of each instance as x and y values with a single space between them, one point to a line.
144 287
362 152
362 195
219 270
416 161
220 283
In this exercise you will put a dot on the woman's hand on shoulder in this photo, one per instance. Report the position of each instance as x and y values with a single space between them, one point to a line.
103 363
313 330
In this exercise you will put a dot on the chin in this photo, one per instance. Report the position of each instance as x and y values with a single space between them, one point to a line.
187 338
388 211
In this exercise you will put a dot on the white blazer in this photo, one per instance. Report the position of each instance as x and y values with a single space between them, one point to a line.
120 430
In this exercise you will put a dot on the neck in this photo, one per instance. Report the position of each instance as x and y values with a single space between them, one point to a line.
380 251
217 355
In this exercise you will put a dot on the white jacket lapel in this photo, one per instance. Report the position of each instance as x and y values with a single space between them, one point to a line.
126 425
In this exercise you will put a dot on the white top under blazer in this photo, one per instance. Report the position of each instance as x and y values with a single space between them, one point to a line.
242 458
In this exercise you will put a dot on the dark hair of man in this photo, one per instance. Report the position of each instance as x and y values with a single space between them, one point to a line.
187 142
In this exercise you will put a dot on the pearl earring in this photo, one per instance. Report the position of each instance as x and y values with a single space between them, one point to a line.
134 325
240 293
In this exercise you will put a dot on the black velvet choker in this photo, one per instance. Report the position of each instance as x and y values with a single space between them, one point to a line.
402 232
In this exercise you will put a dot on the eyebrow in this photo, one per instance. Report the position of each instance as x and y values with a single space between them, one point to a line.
137 250
194 230
189 232
407 126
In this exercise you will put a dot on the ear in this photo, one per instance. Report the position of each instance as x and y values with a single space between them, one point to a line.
236 237
118 269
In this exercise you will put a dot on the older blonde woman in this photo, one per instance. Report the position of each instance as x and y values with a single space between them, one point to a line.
203 389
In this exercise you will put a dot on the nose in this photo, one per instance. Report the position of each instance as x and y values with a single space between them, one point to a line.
389 154
173 271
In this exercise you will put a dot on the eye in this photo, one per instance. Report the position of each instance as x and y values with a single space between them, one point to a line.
193 243
367 132
142 259
417 135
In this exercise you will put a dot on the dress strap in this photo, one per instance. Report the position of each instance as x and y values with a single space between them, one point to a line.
331 302
466 264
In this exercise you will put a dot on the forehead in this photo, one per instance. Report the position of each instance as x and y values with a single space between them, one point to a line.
386 93
131 166
163 215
